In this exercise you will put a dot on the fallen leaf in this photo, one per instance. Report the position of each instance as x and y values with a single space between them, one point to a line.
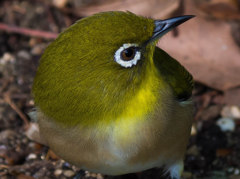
153 8
52 155
223 152
207 49
232 96
222 9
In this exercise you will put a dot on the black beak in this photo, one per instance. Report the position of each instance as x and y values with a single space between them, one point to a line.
164 26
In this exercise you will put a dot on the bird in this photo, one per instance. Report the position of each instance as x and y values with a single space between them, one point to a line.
108 100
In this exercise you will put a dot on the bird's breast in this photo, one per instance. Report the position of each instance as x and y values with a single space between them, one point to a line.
129 144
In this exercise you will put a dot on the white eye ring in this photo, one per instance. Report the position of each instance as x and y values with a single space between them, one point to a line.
127 63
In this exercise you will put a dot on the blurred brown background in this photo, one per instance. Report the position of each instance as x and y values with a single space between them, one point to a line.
208 46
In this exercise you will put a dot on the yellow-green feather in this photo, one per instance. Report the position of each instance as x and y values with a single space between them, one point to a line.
78 80
180 80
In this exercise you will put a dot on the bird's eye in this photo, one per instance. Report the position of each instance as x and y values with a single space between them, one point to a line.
127 55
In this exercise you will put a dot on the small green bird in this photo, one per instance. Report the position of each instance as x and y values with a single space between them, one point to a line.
109 101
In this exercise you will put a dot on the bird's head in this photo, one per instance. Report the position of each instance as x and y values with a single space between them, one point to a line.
95 67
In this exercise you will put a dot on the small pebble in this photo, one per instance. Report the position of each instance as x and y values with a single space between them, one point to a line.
193 150
226 124
39 10
60 3
236 171
38 49
87 174
7 57
58 172
24 54
31 102
31 156
99 176
68 173
94 175
32 42
3 147
231 112
66 165
6 134
193 131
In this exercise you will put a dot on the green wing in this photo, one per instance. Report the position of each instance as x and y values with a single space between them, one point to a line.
175 74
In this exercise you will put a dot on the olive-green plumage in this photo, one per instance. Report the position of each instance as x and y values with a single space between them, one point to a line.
86 98
77 71
177 76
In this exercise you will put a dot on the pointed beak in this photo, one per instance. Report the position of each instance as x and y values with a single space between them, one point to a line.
164 26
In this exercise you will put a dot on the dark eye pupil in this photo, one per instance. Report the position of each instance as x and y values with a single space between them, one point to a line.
128 54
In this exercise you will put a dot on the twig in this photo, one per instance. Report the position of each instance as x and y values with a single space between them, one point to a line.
20 96
5 84
2 166
8 100
28 32
3 173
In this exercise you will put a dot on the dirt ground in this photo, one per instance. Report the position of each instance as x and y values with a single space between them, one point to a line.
213 151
